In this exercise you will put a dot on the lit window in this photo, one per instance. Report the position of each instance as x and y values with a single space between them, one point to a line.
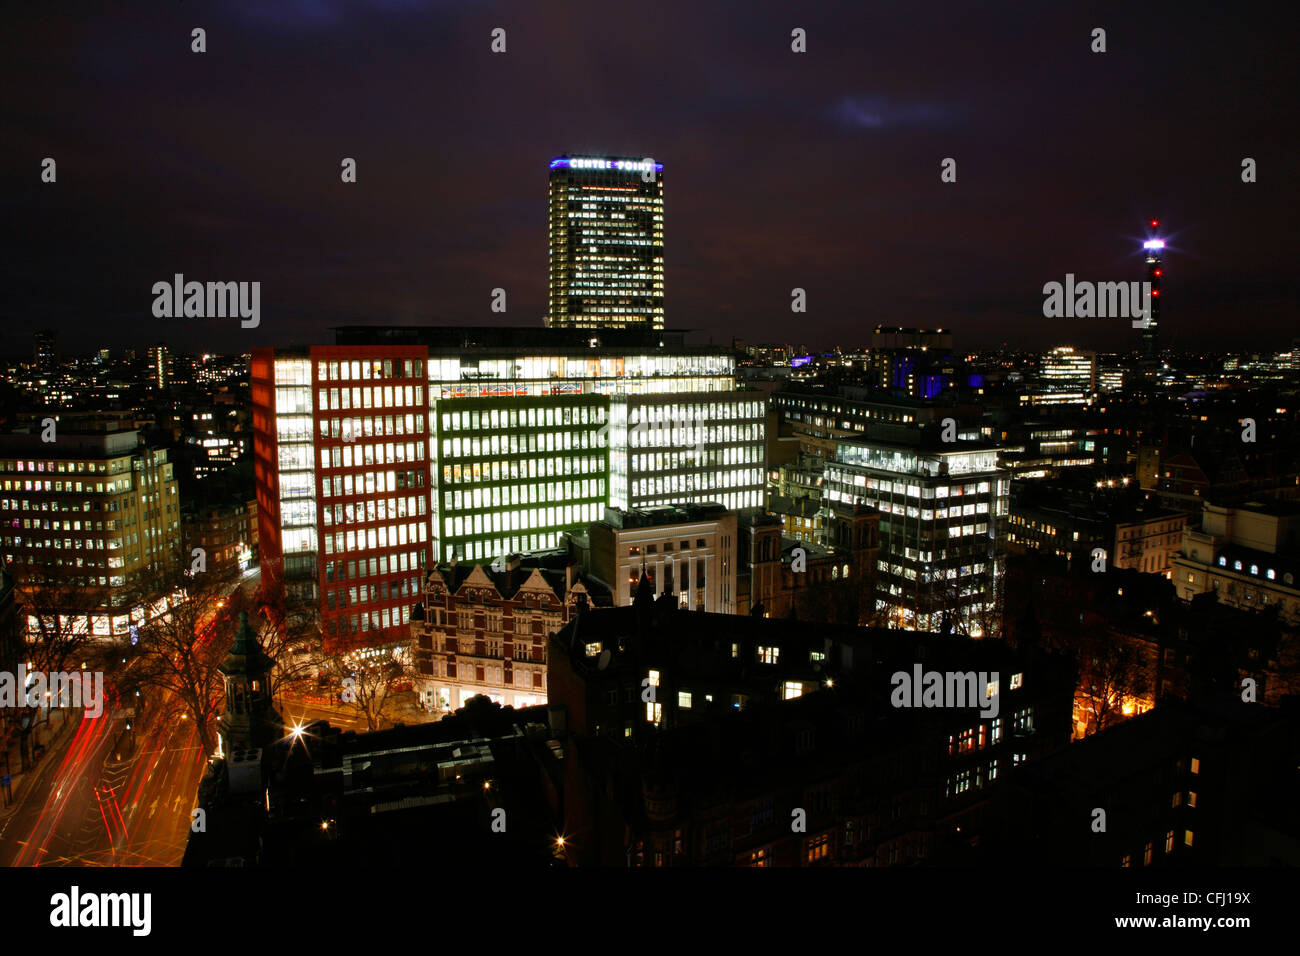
793 689
1196 765
819 848
1017 680
684 699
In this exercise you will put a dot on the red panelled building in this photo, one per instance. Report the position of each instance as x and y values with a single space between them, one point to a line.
341 466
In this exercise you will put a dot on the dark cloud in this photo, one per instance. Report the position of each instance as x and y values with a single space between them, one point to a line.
877 112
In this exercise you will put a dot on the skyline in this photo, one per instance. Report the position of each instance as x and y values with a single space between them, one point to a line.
833 154
399 475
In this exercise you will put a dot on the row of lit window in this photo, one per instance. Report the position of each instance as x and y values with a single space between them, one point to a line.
630 311
729 455
578 366
899 488
380 509
343 542
69 467
99 487
44 504
360 456
641 281
525 519
370 483
682 414
495 547
1270 573
387 396
369 369
354 428
528 468
651 435
515 443
60 544
504 496
113 543
547 417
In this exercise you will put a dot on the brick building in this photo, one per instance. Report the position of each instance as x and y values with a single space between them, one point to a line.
484 630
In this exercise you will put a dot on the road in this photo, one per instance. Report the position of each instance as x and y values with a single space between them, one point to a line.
87 807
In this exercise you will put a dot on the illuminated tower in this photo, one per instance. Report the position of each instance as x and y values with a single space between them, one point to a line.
606 243
1154 248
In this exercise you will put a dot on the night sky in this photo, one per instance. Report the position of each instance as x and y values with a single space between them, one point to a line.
818 170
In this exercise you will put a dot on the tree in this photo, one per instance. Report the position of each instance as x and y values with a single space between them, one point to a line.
180 652
290 633
884 609
1113 669
981 619
367 682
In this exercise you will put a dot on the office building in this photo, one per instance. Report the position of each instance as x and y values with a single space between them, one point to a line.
95 515
341 471
606 233
943 508
412 445
159 365
688 551
1249 556
918 362
1045 448
1110 378
1066 376
45 351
